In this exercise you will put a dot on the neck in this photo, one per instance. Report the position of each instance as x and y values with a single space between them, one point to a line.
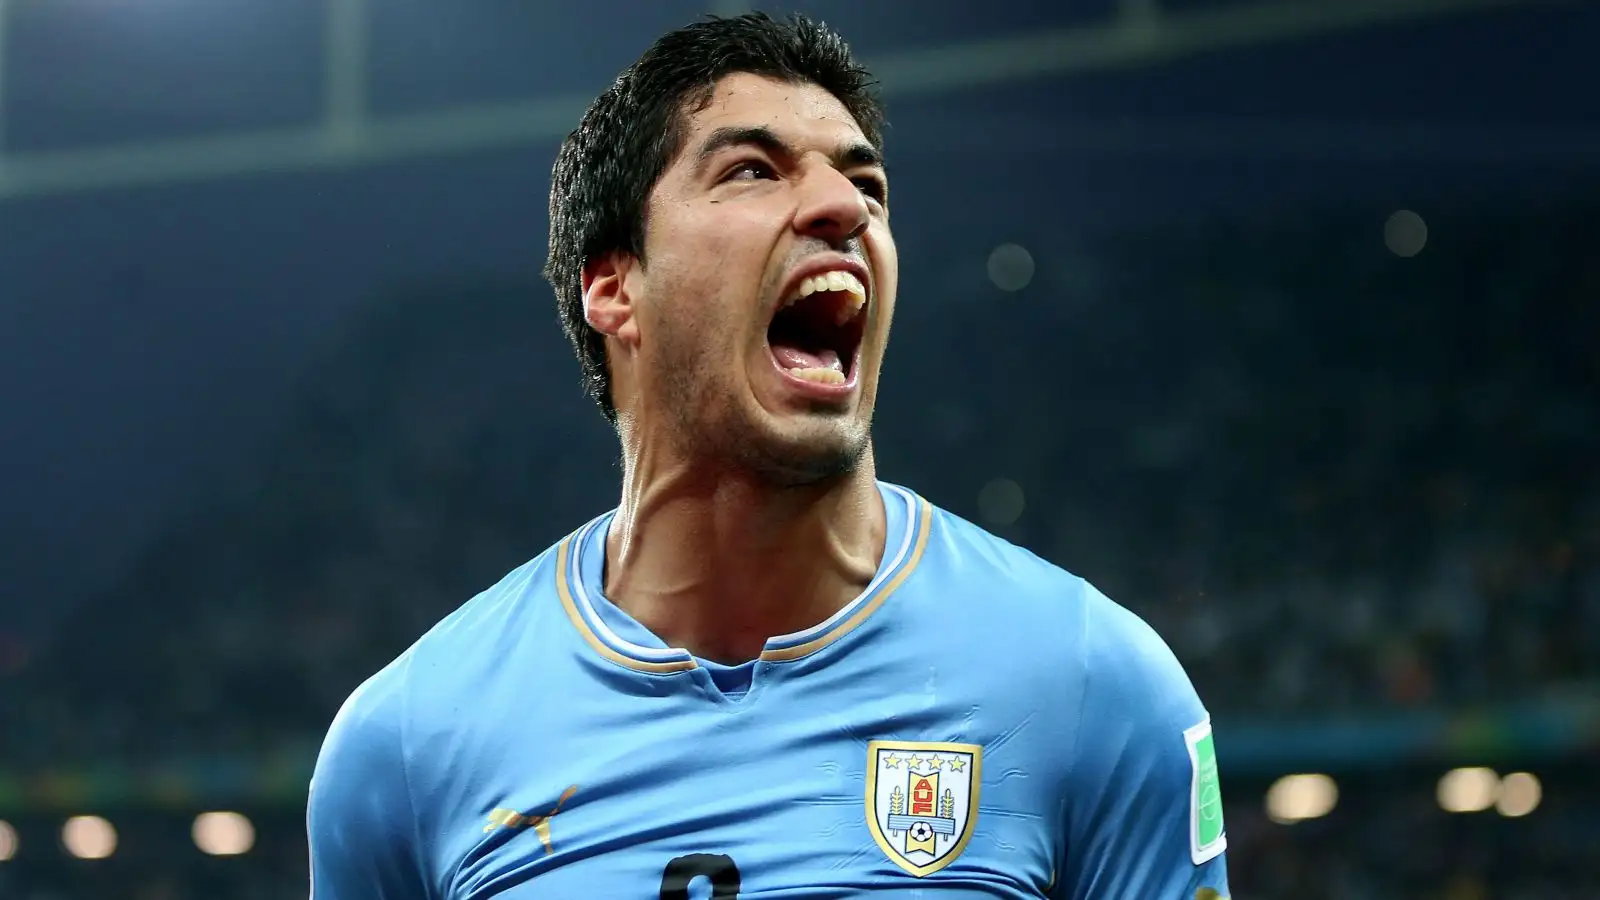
717 562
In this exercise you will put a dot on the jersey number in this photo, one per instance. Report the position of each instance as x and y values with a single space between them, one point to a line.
719 869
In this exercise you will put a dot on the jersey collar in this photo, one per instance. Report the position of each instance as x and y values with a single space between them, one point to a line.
609 631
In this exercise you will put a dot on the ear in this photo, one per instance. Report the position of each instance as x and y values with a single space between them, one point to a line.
607 300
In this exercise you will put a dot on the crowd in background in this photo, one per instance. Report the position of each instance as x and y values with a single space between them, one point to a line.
1336 480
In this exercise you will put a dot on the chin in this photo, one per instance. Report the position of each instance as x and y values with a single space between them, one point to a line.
802 453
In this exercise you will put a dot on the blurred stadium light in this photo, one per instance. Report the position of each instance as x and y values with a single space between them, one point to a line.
1001 501
1143 34
1520 793
223 833
89 837
1295 798
1405 233
1010 267
1468 790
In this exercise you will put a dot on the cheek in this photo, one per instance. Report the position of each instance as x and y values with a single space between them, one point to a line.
886 270
708 273
691 326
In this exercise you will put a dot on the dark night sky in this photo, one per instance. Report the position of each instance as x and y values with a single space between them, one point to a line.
150 338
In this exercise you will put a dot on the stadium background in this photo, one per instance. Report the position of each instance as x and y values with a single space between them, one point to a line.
1274 319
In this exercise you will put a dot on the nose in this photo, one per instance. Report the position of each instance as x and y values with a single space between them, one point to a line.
832 209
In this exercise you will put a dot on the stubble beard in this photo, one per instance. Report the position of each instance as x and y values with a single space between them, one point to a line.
715 429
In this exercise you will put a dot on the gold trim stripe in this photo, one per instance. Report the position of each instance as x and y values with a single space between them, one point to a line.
923 525
564 590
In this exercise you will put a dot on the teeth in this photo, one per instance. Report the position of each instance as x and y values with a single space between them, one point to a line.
819 375
837 282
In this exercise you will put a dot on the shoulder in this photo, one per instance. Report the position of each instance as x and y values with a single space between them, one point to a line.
993 574
450 658
965 553
1128 665
397 737
519 606
1100 638
488 617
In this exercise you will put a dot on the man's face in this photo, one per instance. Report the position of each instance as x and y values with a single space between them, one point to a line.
763 307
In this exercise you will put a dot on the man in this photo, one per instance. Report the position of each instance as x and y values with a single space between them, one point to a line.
765 673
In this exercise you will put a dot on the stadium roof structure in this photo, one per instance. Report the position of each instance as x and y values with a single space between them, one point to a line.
346 132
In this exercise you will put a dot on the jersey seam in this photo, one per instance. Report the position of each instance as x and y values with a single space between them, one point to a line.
1088 673
405 782
1073 757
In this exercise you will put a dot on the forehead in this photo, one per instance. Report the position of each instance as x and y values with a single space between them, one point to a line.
804 113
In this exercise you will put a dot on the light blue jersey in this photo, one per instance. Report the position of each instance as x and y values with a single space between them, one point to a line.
977 724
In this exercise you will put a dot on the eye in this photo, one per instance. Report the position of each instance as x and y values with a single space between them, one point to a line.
872 186
750 170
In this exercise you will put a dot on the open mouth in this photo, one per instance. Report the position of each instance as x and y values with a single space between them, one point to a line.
817 330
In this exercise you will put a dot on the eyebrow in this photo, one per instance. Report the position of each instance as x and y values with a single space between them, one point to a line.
849 155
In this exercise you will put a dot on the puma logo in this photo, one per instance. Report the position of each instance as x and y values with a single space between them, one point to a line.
510 818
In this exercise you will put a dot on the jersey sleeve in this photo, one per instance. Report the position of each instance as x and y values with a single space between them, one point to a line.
1144 811
360 823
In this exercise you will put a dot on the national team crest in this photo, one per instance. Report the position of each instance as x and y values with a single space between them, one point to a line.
922 801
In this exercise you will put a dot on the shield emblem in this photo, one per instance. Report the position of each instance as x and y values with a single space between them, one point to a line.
922 801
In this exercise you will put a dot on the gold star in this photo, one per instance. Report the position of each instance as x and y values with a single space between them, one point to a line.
958 764
892 761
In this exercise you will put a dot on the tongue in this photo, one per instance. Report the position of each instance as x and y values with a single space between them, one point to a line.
795 358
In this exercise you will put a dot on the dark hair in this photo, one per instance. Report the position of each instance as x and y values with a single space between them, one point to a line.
607 167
